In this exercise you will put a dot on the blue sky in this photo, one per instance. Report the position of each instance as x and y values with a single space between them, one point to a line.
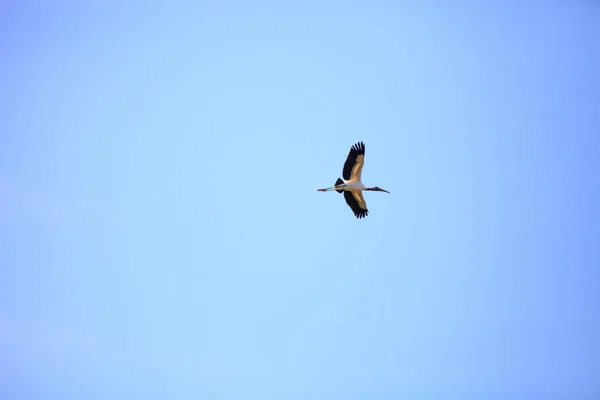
161 236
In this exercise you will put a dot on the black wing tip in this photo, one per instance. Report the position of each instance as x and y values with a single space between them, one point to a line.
353 204
358 147
361 214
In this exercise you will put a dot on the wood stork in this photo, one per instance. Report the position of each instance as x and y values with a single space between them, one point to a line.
351 185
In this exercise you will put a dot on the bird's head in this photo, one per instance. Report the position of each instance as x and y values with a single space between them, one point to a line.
377 189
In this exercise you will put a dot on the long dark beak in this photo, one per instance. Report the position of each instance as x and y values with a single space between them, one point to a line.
383 190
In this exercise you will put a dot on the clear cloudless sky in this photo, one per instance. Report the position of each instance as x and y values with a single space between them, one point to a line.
161 236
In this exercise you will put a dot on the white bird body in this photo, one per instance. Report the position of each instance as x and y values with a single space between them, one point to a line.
351 185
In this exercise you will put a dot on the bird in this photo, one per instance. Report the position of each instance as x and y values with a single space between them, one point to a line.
351 185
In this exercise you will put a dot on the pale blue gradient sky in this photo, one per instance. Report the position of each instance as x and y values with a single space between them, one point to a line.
161 236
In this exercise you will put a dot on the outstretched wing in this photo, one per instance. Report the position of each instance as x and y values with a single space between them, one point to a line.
354 162
356 202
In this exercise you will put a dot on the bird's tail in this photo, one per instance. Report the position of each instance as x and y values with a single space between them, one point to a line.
339 182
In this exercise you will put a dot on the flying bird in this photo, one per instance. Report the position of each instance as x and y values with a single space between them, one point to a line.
351 185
